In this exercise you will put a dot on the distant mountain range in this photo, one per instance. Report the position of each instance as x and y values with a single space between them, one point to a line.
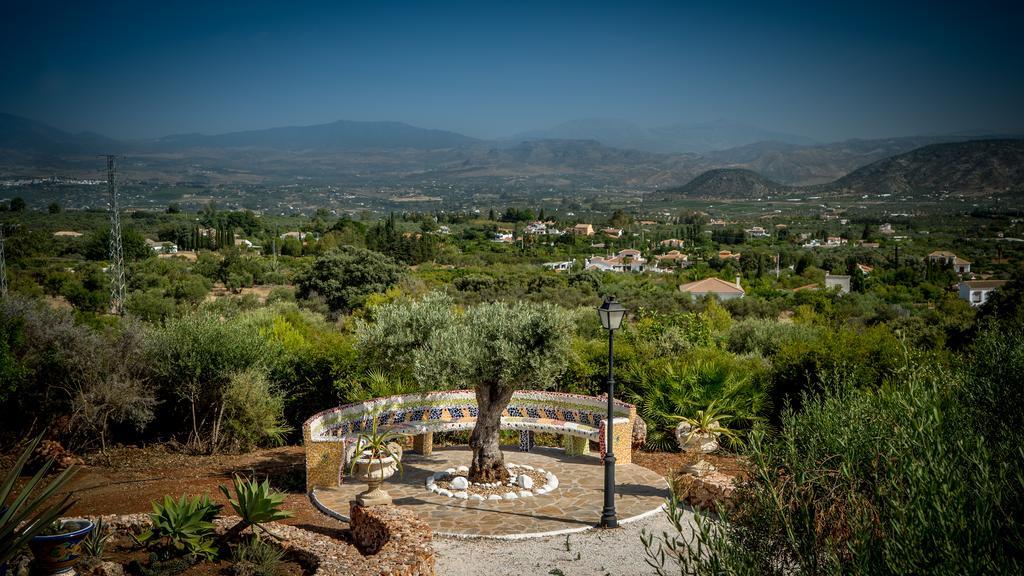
672 139
974 167
347 151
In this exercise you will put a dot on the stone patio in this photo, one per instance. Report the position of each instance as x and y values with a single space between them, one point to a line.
573 507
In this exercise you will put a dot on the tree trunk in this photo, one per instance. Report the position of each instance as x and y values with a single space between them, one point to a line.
488 461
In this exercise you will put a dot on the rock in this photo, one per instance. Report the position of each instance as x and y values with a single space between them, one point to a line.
494 497
541 490
430 480
460 483
639 432
95 567
461 495
524 482
552 483
700 468
477 497
462 470
525 467
525 494
451 471
541 471
443 492
511 496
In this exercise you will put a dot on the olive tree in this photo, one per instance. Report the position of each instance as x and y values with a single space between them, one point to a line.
496 349
399 329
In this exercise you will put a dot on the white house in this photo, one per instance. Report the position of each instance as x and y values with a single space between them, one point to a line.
976 292
758 232
628 260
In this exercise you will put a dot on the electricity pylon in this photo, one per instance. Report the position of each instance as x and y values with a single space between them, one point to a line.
116 251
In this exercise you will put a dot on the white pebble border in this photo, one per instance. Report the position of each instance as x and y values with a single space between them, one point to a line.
551 483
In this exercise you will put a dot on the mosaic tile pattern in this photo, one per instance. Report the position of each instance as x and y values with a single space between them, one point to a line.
576 503
578 418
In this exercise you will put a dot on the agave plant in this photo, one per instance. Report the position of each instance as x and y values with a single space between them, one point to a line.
96 541
256 503
377 445
185 524
25 516
709 421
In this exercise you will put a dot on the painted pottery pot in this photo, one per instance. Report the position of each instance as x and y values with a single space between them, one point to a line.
59 553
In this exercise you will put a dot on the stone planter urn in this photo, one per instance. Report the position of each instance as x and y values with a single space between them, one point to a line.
59 553
696 441
374 471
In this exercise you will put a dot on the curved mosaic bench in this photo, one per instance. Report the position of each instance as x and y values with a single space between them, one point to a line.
579 419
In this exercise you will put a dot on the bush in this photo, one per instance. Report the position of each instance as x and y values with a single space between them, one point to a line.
345 277
893 481
253 412
195 358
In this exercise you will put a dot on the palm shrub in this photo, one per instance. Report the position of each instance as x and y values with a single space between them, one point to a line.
709 380
256 503
185 524
27 512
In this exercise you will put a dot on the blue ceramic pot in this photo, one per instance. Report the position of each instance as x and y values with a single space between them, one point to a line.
58 553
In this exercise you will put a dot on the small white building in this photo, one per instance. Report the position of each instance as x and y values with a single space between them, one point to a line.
833 281
976 292
758 232
560 266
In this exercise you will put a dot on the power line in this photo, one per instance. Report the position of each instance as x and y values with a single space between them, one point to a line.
3 266
117 281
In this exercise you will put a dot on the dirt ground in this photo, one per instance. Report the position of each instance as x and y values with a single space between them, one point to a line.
127 479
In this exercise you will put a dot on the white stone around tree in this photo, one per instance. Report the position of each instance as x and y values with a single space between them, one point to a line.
451 471
463 495
443 492
476 497
524 482
525 494
494 497
462 470
511 496
460 483
526 467
541 490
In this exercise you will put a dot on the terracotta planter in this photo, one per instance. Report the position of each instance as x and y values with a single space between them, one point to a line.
374 471
701 442
59 553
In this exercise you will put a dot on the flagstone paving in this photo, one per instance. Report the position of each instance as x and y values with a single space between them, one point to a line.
574 506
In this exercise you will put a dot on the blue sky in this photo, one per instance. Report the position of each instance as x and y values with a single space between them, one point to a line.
828 70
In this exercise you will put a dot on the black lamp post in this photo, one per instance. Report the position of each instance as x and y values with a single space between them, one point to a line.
611 314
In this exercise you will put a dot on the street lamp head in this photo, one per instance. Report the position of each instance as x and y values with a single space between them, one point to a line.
611 313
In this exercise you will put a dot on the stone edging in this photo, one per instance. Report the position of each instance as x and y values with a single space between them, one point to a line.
402 543
513 494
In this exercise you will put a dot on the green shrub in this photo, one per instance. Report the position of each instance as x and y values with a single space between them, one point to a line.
253 412
257 557
890 481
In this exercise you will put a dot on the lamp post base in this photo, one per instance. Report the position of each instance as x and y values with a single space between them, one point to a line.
608 518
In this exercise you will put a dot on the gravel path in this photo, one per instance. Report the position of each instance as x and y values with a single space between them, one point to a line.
591 553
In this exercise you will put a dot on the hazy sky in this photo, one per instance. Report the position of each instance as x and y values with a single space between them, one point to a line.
824 69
